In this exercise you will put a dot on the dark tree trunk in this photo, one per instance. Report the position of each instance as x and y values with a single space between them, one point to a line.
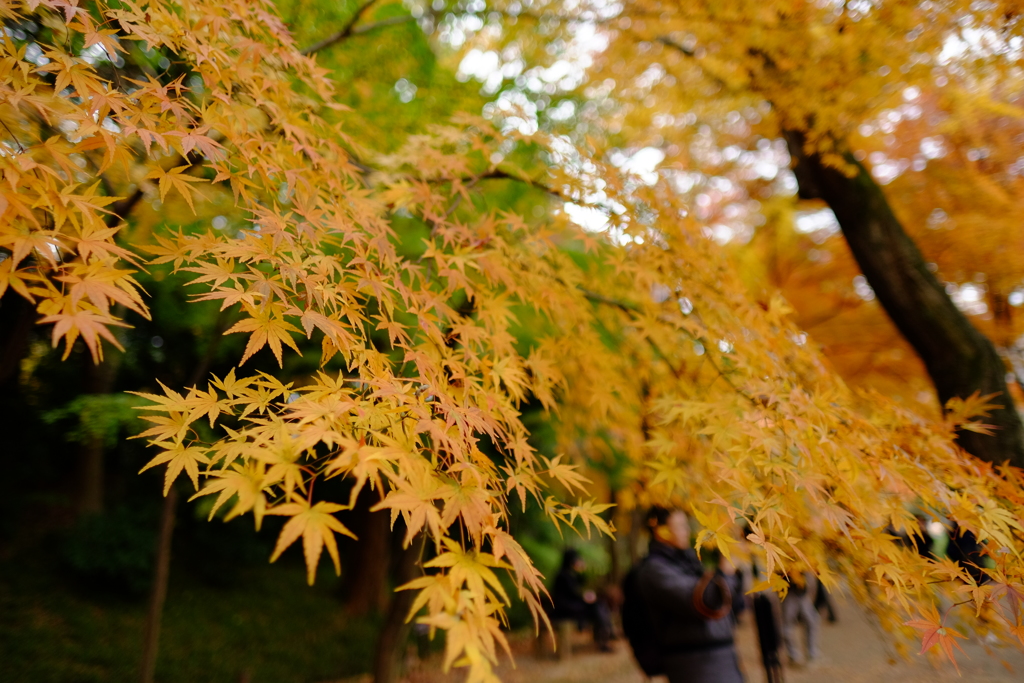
161 577
99 380
614 568
959 359
17 317
387 660
635 536
91 476
366 587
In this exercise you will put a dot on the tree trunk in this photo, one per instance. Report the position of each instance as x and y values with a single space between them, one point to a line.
959 359
387 661
614 568
17 318
99 380
91 476
158 595
366 587
636 524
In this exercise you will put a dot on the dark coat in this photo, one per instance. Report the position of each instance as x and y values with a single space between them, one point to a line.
965 550
567 591
695 649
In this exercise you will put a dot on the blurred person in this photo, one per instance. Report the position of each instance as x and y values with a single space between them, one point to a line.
798 607
767 610
823 603
965 550
922 541
572 602
690 611
768 619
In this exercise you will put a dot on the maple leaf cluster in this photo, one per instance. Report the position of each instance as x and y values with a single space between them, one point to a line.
644 339
317 257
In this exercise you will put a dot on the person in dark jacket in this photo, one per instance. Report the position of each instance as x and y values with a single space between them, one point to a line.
922 541
693 611
570 601
965 550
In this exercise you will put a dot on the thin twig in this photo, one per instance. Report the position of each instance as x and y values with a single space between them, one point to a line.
21 148
634 310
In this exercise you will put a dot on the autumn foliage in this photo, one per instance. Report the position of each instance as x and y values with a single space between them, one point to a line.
414 284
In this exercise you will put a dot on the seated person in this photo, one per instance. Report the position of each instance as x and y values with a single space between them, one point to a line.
570 602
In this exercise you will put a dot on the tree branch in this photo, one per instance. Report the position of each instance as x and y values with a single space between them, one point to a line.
668 42
608 301
350 29
344 33
633 311
498 174
21 147
121 209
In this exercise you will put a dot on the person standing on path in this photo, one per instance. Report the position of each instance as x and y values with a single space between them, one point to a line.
692 610
799 607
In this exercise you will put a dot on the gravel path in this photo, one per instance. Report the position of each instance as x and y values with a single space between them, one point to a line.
853 652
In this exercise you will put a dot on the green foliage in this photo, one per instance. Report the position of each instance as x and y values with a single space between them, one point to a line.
113 551
108 417
393 73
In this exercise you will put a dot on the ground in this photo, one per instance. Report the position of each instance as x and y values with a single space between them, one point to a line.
854 651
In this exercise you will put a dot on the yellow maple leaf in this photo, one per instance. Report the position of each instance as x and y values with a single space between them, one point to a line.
267 327
316 525
179 456
245 483
175 178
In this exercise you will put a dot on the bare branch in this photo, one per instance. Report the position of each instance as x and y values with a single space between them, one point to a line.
668 42
350 29
634 311
616 303
21 147
498 174
121 209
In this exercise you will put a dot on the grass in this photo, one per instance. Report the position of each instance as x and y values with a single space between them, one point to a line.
262 624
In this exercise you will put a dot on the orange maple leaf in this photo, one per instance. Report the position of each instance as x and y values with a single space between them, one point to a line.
933 632
91 326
